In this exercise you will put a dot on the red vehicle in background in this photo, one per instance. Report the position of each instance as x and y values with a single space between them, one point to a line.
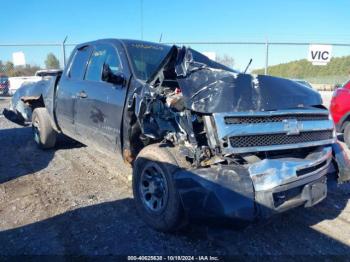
340 110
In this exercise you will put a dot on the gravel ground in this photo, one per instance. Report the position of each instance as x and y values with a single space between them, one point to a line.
74 200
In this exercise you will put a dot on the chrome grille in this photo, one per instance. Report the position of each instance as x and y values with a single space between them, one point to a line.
279 139
244 132
230 120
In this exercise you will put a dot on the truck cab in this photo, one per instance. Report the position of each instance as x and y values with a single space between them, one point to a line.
89 107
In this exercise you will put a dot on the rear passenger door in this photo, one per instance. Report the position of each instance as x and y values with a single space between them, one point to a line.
100 105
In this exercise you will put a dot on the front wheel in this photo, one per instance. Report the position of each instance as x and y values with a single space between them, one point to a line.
43 133
156 197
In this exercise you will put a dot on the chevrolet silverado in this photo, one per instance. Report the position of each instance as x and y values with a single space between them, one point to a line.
205 141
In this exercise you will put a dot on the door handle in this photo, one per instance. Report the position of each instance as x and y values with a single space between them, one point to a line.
82 94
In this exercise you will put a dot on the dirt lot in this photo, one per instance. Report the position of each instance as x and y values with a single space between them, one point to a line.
74 200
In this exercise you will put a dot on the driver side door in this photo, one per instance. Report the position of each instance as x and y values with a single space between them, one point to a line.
100 104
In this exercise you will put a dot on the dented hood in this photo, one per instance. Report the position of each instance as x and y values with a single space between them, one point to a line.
209 87
212 91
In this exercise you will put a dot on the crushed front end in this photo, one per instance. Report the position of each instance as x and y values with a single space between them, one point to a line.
270 162
251 146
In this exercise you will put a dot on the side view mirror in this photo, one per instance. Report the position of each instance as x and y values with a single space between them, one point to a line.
110 77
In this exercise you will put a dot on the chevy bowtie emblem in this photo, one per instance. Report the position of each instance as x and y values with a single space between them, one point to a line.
291 127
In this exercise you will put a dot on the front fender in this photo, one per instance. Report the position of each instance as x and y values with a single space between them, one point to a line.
342 161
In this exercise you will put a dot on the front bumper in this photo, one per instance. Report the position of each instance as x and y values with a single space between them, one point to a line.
307 192
237 192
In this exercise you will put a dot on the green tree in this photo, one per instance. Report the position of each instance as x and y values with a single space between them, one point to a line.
226 60
52 62
2 68
9 68
337 70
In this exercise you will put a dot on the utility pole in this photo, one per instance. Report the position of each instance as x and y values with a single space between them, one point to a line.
141 18
64 51
266 56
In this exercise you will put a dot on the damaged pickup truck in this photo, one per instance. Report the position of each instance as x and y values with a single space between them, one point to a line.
205 142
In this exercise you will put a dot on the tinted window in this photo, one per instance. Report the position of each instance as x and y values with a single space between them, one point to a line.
80 59
94 70
102 55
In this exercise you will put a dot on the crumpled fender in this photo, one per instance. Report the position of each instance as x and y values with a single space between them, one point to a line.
342 161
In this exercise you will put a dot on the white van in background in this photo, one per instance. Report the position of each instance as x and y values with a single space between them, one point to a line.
18 81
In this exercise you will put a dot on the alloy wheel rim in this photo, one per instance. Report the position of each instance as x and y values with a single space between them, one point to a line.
153 188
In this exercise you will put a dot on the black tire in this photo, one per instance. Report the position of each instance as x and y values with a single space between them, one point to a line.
43 133
347 134
169 216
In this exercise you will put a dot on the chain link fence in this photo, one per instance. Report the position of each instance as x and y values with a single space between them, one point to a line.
19 63
288 60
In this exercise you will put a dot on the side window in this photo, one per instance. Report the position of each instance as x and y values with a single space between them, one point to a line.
94 70
113 61
78 65
102 55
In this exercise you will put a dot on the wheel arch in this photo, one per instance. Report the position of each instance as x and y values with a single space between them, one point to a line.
345 119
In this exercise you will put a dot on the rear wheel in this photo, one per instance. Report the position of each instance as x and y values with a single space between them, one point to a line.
347 134
43 133
156 197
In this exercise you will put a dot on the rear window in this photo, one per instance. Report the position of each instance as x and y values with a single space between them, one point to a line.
80 60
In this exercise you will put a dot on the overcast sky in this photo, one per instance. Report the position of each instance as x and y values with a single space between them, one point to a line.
39 21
